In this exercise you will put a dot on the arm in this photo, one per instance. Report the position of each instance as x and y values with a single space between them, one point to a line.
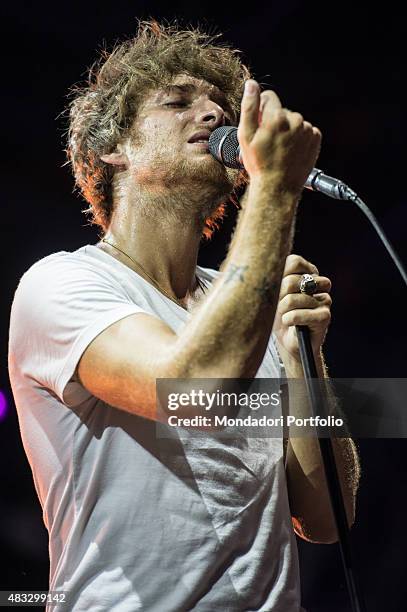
307 488
228 335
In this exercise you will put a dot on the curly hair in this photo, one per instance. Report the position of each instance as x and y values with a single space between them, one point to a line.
103 111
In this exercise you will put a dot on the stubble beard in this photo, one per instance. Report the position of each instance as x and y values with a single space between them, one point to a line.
183 189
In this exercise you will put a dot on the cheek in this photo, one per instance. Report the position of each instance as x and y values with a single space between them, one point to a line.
149 128
157 133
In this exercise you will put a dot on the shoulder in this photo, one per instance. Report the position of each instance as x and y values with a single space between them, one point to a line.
59 271
81 259
61 284
49 265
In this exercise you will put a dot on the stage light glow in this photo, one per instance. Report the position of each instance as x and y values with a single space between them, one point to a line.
3 406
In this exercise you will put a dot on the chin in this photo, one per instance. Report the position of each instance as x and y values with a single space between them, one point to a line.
205 169
200 179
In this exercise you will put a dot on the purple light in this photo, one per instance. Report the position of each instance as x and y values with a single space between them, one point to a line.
3 406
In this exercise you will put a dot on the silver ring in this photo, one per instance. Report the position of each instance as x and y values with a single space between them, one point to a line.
308 284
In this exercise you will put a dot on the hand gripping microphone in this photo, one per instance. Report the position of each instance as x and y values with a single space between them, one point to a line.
224 146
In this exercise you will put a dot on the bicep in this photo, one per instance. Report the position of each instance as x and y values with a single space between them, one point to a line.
121 364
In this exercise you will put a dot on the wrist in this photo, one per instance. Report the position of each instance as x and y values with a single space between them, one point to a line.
292 362
275 187
293 365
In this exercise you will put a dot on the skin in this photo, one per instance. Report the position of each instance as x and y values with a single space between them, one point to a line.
158 220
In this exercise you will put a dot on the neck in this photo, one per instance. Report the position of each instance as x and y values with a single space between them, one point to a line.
156 236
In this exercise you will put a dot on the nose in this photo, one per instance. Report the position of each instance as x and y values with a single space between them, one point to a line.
211 114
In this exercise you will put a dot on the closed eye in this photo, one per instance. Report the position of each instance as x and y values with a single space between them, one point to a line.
178 103
182 103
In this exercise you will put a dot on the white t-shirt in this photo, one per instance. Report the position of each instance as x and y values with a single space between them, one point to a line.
137 522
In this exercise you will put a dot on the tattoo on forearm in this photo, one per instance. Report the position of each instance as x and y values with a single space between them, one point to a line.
235 273
268 291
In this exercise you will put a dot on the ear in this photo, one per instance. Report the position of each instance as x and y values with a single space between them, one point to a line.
118 158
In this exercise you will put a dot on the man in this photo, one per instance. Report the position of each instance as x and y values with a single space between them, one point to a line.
137 521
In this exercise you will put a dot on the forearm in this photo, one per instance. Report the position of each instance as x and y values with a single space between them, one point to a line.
308 492
228 335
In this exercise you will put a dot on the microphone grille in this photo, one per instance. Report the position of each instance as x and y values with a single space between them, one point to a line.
224 145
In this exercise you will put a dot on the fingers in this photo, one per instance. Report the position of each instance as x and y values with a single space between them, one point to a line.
296 308
249 111
295 267
317 317
291 284
269 104
299 301
253 107
295 264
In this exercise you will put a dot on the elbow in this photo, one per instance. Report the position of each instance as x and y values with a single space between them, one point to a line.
321 529
315 534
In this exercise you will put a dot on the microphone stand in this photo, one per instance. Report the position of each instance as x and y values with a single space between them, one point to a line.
224 146
331 473
338 190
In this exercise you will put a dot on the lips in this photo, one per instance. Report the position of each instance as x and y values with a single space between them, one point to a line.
202 137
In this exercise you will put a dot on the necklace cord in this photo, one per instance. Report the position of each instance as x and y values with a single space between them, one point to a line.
153 281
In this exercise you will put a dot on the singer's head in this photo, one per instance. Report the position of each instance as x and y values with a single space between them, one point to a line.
139 128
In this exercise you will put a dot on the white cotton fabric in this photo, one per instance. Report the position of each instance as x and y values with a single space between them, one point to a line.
135 521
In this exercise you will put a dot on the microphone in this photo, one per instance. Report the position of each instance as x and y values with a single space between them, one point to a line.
224 146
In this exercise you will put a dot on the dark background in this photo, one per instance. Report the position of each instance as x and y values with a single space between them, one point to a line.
339 64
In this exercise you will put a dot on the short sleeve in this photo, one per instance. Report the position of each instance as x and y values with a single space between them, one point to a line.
60 306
